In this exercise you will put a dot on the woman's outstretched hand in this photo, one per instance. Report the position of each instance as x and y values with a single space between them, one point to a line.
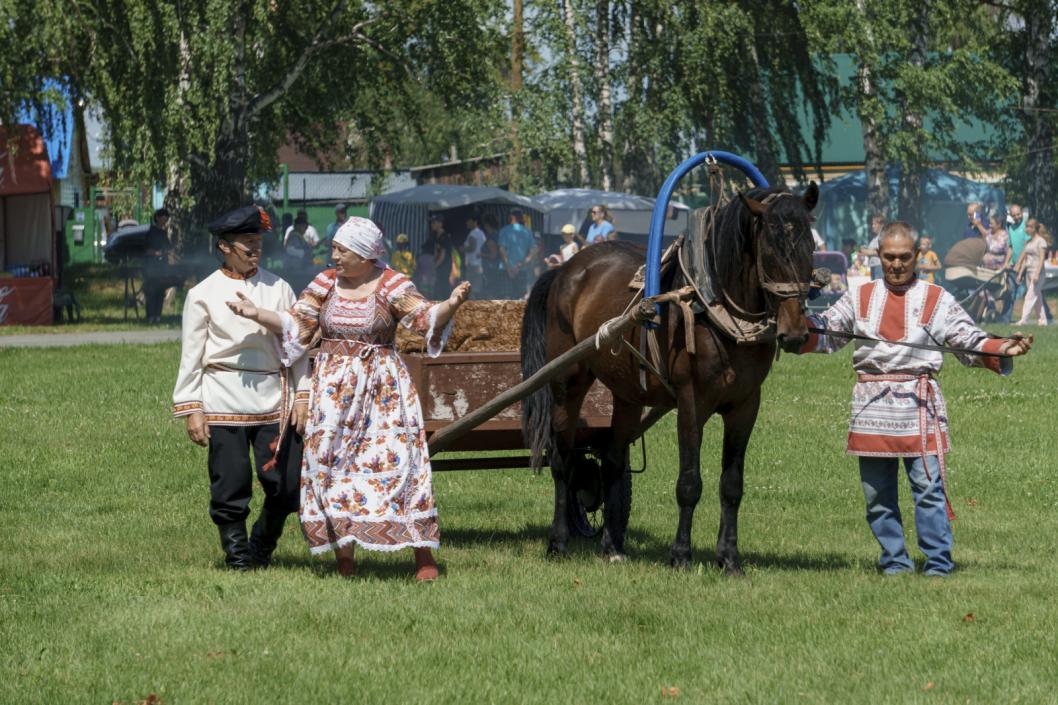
243 307
444 310
460 294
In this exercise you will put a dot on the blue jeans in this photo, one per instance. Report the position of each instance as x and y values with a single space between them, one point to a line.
879 478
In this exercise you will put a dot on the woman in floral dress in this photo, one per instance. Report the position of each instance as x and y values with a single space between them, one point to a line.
997 257
365 477
998 253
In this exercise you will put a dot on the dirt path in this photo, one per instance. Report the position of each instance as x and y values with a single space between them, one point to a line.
64 340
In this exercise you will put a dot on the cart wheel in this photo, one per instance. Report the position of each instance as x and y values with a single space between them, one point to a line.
584 512
584 498
581 521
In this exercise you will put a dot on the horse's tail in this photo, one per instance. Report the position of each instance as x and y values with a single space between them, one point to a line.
536 408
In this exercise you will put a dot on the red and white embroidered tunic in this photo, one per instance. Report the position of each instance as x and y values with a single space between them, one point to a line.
897 406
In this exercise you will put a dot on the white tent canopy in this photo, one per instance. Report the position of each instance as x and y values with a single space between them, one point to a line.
409 211
631 213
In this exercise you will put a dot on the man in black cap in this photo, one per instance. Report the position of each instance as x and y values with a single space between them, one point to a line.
237 392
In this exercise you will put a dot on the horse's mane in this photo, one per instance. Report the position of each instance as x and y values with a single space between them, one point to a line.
734 231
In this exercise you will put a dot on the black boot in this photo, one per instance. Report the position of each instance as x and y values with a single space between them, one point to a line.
236 546
266 532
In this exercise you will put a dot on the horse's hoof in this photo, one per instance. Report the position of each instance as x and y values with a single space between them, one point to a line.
557 552
616 557
732 569
680 562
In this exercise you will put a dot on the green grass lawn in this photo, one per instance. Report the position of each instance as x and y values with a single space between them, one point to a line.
111 587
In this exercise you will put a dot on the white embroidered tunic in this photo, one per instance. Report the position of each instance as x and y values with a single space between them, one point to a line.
230 366
897 406
365 476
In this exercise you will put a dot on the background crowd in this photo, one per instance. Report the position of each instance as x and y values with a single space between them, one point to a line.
501 262
1017 248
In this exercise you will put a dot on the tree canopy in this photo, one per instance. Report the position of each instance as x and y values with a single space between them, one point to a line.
199 94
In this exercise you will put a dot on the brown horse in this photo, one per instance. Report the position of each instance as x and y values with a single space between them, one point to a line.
762 263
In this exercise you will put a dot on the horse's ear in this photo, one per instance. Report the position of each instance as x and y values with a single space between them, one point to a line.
811 197
755 207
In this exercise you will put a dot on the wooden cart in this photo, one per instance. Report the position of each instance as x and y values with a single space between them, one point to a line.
454 384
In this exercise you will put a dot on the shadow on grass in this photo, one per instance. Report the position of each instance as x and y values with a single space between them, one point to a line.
464 536
659 552
533 539
643 547
367 568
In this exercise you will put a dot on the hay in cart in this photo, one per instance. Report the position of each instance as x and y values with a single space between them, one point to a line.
481 325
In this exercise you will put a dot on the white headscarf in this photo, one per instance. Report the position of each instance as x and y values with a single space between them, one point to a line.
362 237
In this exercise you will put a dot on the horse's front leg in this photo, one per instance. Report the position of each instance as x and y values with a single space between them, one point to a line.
689 482
738 426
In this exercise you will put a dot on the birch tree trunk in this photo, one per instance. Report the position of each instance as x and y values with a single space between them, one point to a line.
220 180
580 155
767 161
176 179
867 109
604 105
1038 123
628 146
913 163
517 58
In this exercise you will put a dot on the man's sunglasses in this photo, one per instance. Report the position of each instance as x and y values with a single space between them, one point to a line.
246 249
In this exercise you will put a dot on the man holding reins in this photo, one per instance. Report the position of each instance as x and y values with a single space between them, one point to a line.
898 410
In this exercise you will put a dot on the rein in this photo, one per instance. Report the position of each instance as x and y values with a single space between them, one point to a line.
916 346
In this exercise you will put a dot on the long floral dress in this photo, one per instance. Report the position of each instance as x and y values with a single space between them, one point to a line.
365 476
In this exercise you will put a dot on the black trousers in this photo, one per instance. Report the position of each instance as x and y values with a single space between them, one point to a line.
157 277
231 476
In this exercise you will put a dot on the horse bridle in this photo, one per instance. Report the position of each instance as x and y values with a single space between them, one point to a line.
779 290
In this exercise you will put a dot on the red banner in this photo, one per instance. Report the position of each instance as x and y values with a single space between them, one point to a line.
24 165
26 301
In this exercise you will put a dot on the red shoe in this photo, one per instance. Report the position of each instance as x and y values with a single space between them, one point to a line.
425 567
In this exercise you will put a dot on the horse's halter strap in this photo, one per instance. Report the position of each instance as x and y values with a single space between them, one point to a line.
777 289
727 316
